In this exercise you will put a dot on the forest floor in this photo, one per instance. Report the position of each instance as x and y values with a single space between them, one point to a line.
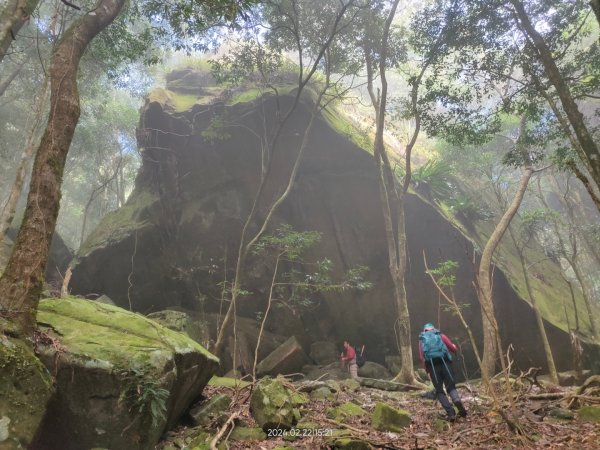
483 428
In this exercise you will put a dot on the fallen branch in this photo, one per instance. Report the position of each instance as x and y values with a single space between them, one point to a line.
344 425
219 435
547 396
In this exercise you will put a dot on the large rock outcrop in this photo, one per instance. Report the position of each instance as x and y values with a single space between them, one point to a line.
174 243
25 388
121 379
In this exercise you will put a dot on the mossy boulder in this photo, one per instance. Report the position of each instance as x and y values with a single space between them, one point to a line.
350 384
387 418
272 405
373 370
344 411
211 410
247 434
344 440
122 379
589 414
322 393
324 352
25 388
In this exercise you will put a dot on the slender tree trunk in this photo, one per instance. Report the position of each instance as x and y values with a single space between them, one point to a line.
6 83
538 316
12 18
571 258
392 203
484 279
8 212
575 117
246 241
264 319
22 281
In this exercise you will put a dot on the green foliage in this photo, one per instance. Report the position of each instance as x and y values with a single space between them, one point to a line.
534 221
464 206
251 63
301 280
191 25
434 177
444 274
489 67
144 394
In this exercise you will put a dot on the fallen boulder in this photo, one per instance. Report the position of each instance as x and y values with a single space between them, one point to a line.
121 378
324 352
373 370
286 359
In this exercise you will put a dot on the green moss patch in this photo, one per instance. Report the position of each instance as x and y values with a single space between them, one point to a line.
387 418
589 414
120 223
106 334
228 382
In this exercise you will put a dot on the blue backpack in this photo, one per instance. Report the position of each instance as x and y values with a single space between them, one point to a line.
433 346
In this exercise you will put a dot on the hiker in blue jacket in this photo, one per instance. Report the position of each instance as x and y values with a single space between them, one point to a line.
434 351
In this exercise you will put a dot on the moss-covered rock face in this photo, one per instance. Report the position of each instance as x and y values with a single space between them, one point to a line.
25 388
121 378
272 405
387 418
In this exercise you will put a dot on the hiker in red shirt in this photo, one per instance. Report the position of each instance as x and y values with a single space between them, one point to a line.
434 348
349 358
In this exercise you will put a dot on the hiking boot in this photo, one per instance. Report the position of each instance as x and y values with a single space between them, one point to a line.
450 415
462 412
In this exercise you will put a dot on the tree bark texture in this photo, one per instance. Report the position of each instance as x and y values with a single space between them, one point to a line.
575 117
12 18
484 278
22 281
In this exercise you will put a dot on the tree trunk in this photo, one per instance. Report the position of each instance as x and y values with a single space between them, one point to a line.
576 119
391 197
6 83
484 279
572 258
8 212
22 281
539 319
12 18
246 242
